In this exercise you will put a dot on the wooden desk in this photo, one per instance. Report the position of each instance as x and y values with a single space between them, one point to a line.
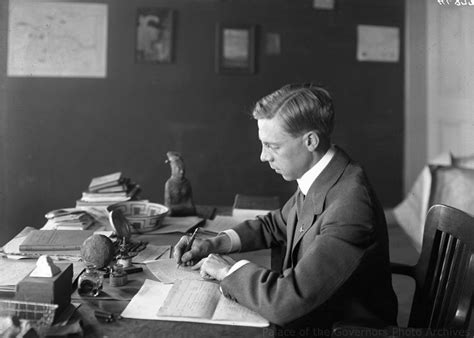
152 328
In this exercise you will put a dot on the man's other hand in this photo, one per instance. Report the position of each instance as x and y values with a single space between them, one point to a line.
214 266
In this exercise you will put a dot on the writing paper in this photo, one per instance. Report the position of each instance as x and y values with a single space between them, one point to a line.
148 303
188 298
152 252
167 271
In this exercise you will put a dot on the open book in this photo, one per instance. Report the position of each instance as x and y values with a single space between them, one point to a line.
189 301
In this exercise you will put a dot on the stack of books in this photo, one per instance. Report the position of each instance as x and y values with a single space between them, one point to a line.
108 189
69 219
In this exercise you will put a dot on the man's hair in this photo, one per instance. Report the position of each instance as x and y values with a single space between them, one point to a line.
301 107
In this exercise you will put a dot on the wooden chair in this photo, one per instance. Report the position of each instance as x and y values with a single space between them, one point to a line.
444 276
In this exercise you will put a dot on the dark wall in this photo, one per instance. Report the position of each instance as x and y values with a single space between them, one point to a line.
57 133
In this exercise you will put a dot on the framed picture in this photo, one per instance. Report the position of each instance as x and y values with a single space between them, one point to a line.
154 35
235 49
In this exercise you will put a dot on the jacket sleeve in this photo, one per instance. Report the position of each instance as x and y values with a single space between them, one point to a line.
328 260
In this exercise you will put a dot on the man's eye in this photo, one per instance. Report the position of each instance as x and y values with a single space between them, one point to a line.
271 146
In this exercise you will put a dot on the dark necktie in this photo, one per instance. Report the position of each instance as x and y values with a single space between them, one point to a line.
299 204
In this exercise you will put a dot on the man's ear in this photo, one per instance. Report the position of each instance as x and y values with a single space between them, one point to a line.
311 140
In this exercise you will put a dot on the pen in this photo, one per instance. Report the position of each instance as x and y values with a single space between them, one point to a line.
133 269
190 243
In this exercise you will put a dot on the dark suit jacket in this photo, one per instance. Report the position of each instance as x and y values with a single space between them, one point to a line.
337 268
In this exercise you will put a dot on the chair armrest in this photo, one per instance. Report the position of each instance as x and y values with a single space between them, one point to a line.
402 269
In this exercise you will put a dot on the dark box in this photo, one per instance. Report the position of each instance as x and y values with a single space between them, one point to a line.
52 290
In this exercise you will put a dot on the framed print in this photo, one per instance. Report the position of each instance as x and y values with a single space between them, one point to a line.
235 49
154 35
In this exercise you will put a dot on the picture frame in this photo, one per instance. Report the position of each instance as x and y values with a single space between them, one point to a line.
235 49
154 35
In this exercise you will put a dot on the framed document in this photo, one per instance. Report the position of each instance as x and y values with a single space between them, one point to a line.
235 49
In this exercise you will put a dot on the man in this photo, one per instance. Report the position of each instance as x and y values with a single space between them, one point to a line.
336 266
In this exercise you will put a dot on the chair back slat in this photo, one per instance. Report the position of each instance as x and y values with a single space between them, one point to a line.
444 274
446 293
459 306
440 278
462 313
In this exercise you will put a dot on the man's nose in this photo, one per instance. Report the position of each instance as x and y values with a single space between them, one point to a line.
264 157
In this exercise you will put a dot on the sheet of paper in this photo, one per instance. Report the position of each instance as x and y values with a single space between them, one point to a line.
147 301
167 271
13 246
177 225
152 295
241 215
378 43
152 252
13 271
191 298
229 310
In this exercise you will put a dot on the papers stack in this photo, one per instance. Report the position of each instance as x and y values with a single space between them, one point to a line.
70 219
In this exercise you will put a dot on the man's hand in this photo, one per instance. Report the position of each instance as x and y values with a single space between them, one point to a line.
199 249
214 266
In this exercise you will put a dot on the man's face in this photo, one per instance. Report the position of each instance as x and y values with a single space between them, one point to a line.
285 154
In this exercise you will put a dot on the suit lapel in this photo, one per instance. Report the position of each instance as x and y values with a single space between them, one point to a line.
314 202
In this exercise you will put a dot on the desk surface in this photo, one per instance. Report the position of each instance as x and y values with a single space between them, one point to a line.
151 328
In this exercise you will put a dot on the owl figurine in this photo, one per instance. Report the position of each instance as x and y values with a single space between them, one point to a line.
178 192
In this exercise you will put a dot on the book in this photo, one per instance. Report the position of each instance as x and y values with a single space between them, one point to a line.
247 206
189 301
82 225
52 240
106 196
118 196
82 222
95 204
114 188
105 181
